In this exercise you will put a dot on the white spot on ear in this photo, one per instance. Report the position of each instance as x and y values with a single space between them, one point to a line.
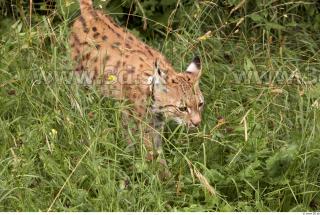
159 78
192 68
150 80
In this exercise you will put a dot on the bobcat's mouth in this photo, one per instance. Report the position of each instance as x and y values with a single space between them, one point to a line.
181 122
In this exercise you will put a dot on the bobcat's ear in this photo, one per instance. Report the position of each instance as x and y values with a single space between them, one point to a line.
159 75
195 66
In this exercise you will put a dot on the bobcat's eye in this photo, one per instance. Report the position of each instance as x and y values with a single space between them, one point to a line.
183 109
201 104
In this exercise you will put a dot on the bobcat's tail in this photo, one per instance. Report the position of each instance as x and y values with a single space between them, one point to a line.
85 5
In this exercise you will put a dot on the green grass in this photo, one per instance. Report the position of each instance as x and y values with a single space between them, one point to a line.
62 147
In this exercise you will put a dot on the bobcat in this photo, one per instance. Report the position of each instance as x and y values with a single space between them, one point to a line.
124 67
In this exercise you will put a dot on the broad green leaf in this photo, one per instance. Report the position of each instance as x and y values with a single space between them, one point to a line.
276 26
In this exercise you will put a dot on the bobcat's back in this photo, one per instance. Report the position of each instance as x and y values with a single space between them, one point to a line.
123 67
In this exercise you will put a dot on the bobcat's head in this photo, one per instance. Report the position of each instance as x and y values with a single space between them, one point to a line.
177 95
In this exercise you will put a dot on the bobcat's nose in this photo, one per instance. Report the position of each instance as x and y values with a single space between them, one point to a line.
196 120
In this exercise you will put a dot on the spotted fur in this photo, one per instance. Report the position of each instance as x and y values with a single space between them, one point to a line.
124 67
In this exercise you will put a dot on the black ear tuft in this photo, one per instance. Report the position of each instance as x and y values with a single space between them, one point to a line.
197 62
157 67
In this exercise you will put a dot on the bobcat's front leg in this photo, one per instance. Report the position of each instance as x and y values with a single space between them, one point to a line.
158 125
153 137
